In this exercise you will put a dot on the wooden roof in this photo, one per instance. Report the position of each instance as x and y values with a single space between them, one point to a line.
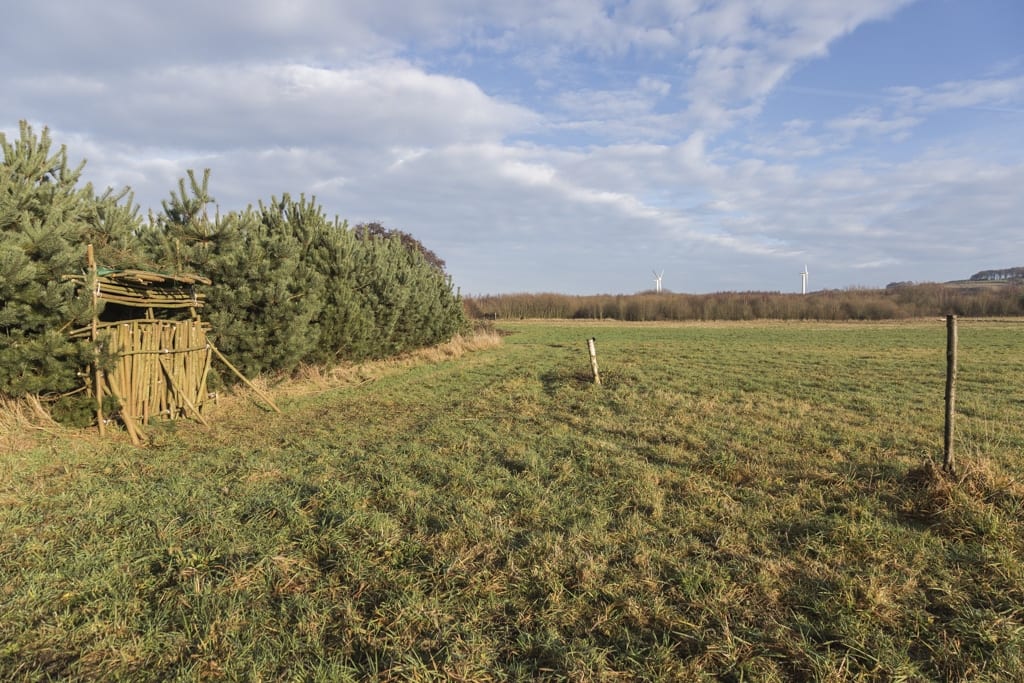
145 289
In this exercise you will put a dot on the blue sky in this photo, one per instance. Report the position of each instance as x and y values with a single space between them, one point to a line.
569 146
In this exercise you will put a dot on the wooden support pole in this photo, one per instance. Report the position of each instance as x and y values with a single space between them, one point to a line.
181 394
242 377
90 257
129 424
593 359
948 461
207 361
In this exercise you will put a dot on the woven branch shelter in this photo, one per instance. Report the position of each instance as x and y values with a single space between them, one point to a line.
162 363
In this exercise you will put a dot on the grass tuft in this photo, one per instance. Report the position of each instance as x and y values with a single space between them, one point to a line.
19 419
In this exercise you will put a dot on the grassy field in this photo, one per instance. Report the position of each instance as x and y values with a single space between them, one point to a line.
747 501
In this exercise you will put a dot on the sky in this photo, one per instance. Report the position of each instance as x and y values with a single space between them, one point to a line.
572 146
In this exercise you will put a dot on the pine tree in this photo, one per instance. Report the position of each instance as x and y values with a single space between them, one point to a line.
46 221
347 327
264 299
375 229
407 290
181 238
291 287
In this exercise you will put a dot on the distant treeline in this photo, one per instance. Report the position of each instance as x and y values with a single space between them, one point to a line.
905 301
1000 274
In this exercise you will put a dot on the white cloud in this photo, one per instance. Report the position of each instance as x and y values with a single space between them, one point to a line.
741 51
613 104
654 86
389 103
873 122
795 139
993 93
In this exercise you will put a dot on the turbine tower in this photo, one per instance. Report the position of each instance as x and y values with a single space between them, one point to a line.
657 280
803 279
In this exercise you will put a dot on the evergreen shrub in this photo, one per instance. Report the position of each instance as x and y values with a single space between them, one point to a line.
289 285
46 221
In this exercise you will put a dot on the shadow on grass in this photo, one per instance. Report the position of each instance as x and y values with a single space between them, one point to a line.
554 380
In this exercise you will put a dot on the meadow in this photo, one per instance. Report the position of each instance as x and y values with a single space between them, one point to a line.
736 501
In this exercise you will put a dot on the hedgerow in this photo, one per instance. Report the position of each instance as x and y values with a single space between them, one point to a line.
290 286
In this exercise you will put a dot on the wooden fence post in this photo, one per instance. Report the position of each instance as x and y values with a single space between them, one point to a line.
593 359
948 462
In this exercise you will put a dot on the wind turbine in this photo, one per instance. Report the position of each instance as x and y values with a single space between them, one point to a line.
657 280
803 279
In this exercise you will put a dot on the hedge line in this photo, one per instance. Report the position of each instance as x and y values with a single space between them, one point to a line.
290 285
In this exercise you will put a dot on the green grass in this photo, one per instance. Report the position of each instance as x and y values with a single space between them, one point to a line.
742 501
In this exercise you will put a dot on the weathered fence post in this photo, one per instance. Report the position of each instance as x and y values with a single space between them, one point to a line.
948 462
593 359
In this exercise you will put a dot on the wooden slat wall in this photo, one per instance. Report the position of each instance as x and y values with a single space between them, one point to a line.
162 368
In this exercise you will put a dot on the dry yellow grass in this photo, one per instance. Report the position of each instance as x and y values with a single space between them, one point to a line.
21 420
311 379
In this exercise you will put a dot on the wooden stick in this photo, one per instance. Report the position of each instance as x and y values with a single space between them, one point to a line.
141 289
157 385
140 371
90 257
195 363
158 389
158 352
126 375
184 398
174 362
243 377
182 359
207 362
85 331
124 342
138 296
129 423
142 379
